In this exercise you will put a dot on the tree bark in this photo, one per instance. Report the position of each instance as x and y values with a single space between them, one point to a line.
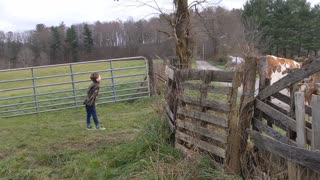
182 32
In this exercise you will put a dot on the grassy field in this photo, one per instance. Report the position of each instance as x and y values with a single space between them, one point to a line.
82 73
135 145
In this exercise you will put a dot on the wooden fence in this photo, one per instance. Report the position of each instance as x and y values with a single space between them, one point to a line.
202 110
287 132
202 113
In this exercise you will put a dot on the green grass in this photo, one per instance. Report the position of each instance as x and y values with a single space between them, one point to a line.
135 145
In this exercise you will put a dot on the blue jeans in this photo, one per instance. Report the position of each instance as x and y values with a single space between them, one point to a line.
91 110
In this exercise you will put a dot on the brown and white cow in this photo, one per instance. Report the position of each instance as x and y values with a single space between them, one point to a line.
275 68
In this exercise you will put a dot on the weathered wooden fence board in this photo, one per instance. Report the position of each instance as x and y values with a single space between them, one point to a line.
171 126
193 74
210 118
315 143
274 121
170 118
307 158
298 170
210 88
286 100
218 136
300 119
183 149
284 119
201 144
271 132
169 113
212 104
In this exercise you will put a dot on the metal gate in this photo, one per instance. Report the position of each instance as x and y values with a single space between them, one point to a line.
56 87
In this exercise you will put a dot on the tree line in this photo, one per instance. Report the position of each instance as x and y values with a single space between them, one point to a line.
286 28
211 29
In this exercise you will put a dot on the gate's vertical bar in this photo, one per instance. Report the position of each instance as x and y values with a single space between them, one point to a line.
34 90
73 86
112 81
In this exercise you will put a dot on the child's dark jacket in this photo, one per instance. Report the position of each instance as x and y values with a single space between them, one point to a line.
92 93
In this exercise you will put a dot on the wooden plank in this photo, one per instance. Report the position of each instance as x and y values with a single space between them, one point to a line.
212 104
271 132
280 109
169 72
169 113
308 124
274 121
284 119
194 74
170 123
201 144
300 118
185 150
315 143
286 99
210 118
290 79
307 158
221 136
159 77
301 130
211 88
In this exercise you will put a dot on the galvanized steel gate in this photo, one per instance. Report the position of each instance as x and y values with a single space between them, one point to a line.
51 88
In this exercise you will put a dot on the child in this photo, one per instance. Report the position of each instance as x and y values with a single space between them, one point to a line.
90 100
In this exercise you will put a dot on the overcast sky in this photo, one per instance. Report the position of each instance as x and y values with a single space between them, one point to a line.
20 15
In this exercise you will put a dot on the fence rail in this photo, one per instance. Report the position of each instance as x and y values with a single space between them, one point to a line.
65 87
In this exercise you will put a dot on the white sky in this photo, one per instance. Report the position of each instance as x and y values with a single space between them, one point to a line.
20 15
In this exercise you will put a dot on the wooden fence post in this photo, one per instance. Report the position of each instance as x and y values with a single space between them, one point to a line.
263 83
245 116
315 142
231 163
151 76
301 136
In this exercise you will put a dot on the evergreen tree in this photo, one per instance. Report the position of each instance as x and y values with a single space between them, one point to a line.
290 27
72 44
55 45
88 40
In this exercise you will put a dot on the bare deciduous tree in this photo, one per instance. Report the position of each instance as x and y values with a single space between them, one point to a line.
25 57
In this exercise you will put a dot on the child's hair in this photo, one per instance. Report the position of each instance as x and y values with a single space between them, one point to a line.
94 76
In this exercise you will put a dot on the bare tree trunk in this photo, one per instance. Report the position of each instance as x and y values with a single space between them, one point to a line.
182 32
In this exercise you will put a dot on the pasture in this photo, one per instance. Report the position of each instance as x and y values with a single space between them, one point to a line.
42 89
55 145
